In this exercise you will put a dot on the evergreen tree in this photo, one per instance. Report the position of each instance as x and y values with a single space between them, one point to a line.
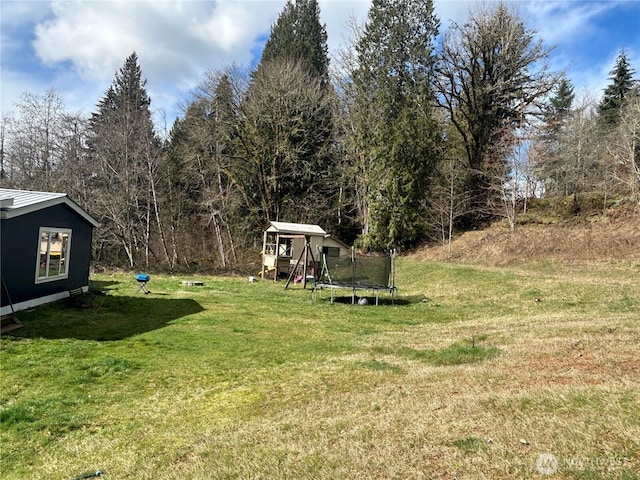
287 133
125 151
395 135
551 166
298 35
616 93
560 104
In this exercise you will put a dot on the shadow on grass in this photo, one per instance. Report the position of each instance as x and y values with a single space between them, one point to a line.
101 285
101 316
371 300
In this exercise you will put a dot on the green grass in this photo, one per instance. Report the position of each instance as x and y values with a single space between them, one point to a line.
248 380
469 444
458 353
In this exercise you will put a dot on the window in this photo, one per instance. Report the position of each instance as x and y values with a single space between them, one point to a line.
53 257
331 251
285 249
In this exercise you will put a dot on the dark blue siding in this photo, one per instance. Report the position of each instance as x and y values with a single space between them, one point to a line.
19 248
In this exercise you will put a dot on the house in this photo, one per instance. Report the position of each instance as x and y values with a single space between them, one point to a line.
288 247
45 248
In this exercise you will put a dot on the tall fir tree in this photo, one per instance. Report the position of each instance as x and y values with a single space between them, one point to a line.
550 164
560 104
298 35
395 134
124 149
288 140
616 93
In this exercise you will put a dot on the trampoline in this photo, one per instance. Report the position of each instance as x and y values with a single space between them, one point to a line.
357 273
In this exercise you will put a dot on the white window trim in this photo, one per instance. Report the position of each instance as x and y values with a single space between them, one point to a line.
67 256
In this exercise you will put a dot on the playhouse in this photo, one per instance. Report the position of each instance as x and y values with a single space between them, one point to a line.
294 250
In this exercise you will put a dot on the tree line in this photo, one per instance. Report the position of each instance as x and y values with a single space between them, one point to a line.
408 136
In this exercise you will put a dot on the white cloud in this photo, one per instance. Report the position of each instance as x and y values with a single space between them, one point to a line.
563 21
230 26
76 46
586 45
174 39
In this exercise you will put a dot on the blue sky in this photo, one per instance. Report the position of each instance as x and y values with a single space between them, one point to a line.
76 46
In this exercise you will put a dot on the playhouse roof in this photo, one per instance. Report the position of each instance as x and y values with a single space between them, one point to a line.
330 238
14 203
295 228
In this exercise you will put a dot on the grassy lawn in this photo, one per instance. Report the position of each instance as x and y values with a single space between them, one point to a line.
474 372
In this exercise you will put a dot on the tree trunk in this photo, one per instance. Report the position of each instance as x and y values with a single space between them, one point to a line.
216 226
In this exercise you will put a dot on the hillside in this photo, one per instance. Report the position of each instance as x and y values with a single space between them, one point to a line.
550 230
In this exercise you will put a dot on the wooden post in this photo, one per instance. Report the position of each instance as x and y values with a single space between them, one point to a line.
353 275
275 261
264 253
313 259
293 272
307 246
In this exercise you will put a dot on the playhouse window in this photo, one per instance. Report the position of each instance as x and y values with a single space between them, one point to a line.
285 249
53 254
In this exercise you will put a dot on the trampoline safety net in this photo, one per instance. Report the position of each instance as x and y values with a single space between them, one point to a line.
358 271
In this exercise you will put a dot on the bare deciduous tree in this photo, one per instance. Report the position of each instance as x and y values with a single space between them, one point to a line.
35 135
623 147
492 76
449 198
203 145
286 141
573 166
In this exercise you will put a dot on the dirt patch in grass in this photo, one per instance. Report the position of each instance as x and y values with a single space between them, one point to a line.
577 360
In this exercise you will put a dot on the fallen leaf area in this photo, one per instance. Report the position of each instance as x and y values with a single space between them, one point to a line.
596 237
